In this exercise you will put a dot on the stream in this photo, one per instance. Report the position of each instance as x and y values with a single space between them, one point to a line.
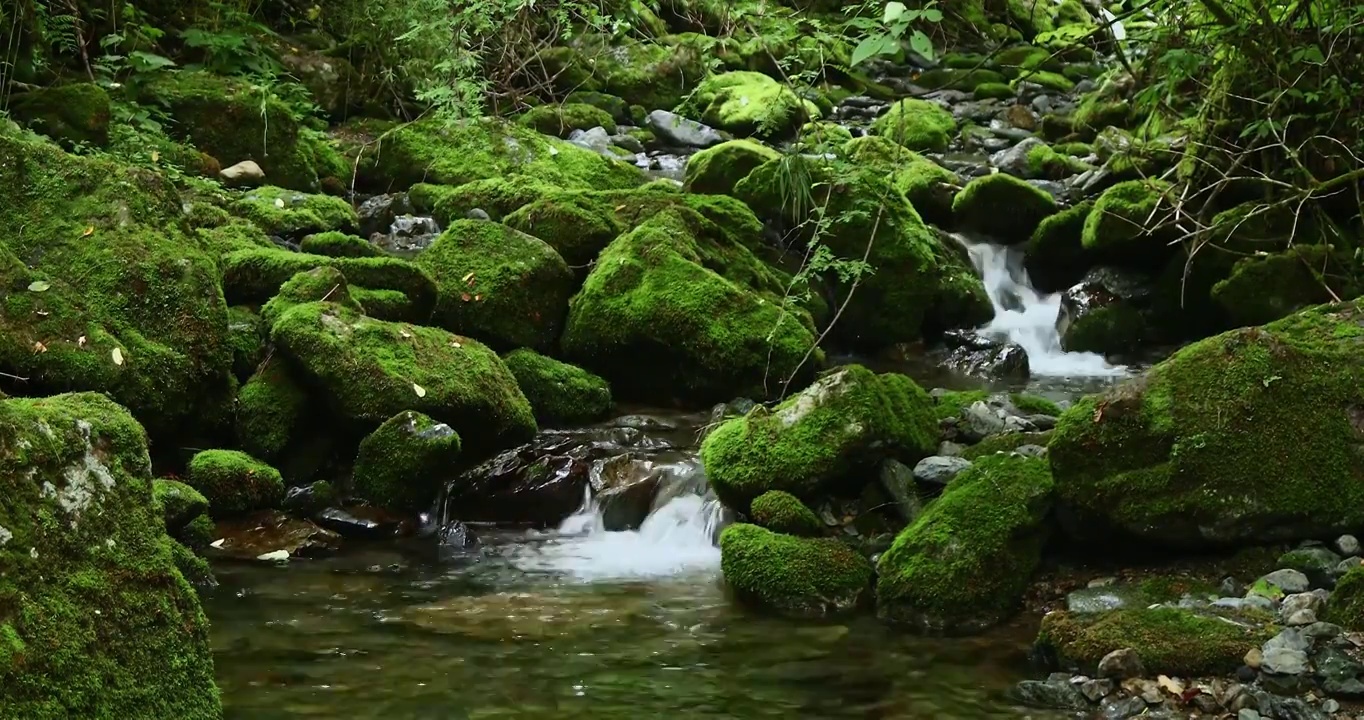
583 622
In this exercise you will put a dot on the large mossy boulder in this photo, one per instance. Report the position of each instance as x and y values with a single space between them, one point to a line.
793 576
928 186
429 151
562 120
1168 640
749 104
718 169
179 503
293 214
1248 436
95 619
653 75
1125 223
498 284
270 410
368 370
1003 207
825 439
1054 257
256 275
671 311
235 483
559 393
76 114
966 562
405 462
498 197
1264 288
106 288
918 125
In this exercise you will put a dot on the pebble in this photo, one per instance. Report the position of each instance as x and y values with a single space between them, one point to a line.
1124 708
1096 690
1348 545
1122 664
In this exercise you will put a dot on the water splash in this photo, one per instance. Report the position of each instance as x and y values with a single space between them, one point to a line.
677 538
1027 317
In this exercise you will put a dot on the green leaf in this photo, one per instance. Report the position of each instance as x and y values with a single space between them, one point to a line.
38 286
868 48
933 15
920 43
893 11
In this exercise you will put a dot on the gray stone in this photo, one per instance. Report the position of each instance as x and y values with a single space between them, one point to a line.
1031 450
477 214
1288 580
898 481
1315 561
1348 545
1121 664
628 142
980 421
1298 602
1248 714
1316 632
1293 639
1124 708
596 139
1306 616
1014 161
1287 708
1330 706
1284 661
1256 602
1348 564
1096 690
1058 694
939 470
675 129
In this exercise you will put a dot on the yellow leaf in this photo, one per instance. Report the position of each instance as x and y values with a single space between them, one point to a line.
421 391
39 347
88 231
156 156
118 356
466 278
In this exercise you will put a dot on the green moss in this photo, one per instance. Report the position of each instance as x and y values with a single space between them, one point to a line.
965 563
1074 149
956 79
561 120
391 305
1245 435
928 186
994 91
198 534
179 502
1034 405
193 568
1005 443
234 120
76 114
95 620
1265 288
237 234
1114 328
1055 82
1096 113
369 370
653 75
1055 256
559 393
247 333
402 465
339 244
499 197
234 482
321 283
270 408
816 441
255 276
1003 206
1346 608
1069 42
749 104
797 577
718 169
783 512
1118 223
1168 640
824 134
114 269
917 124
1046 162
294 214
1019 58
953 403
429 151
673 310
498 284
616 107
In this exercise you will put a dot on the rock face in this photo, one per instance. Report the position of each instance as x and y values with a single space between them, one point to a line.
794 576
816 441
95 619
1161 459
964 564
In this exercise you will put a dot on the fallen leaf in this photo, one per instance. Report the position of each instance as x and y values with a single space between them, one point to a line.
80 341
38 286
405 334
118 356
1170 685
455 344
88 231
421 391
279 203
478 298
467 278
39 347
464 297
156 156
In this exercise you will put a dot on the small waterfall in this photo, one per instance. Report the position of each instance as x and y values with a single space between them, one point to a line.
678 537
1027 317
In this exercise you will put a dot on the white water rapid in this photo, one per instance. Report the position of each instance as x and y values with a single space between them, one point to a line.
677 538
1027 317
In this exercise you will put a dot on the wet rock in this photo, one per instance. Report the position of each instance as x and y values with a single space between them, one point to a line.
378 213
1015 160
408 235
1103 312
1059 694
1123 709
1339 672
268 534
244 174
1096 690
362 522
897 480
1121 664
1297 603
981 356
456 536
939 470
308 499
677 130
1286 708
596 139
541 483
628 142
625 487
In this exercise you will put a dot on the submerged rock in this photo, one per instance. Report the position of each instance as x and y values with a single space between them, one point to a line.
272 536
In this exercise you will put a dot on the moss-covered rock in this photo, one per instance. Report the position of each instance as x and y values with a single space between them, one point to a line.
233 120
1346 607
1053 81
198 534
235 483
1035 405
615 106
391 305
1016 60
498 284
1117 327
404 463
670 311
369 370
917 124
928 186
1003 207
247 333
783 512
559 393
817 441
255 276
1121 223
718 169
654 75
499 197
749 104
1046 162
1055 256
106 288
95 620
965 563
1007 442
269 408
429 151
994 91
561 120
964 79
76 114
793 576
824 135
316 285
1168 640
339 244
1163 458
293 214
179 503
1265 288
